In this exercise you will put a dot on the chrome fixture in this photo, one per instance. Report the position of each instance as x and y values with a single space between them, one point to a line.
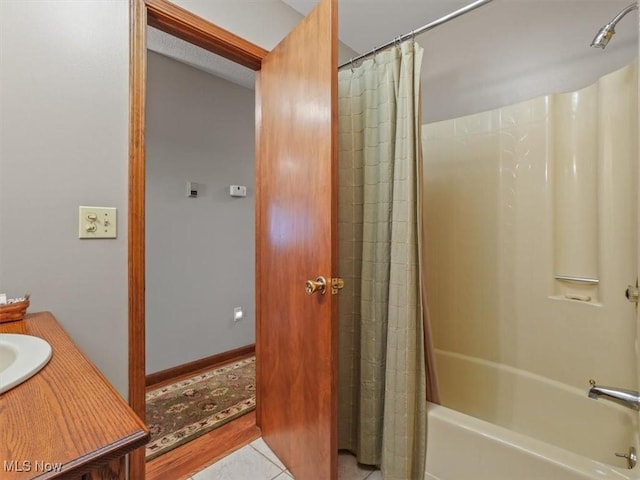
605 33
621 396
633 293
569 278
632 457
412 34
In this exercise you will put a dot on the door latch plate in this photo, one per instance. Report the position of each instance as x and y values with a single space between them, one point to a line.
337 284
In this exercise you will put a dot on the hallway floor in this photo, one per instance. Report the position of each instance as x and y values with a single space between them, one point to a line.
257 462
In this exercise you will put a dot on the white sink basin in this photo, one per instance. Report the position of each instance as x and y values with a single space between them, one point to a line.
21 357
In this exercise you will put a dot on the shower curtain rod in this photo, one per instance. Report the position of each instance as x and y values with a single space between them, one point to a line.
418 31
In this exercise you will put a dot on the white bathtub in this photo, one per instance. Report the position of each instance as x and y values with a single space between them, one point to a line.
520 426
462 447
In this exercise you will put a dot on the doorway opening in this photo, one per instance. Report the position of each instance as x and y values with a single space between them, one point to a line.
200 268
177 22
296 226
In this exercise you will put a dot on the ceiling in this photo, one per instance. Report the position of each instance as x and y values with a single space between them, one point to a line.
364 24
503 52
197 57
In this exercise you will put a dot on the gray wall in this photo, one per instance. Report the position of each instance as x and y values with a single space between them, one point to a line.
200 251
63 143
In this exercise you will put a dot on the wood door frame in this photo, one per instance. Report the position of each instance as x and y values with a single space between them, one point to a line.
180 23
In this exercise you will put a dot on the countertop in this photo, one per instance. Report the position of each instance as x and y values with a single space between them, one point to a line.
67 418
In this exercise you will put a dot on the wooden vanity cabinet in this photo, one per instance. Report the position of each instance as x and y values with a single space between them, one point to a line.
67 421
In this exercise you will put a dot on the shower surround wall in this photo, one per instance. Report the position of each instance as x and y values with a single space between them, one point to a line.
514 197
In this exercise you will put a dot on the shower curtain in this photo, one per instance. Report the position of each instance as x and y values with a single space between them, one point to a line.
383 383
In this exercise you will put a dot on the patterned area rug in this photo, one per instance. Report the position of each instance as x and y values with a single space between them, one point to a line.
180 412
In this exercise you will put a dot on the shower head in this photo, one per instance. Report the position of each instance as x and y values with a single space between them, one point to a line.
603 36
605 33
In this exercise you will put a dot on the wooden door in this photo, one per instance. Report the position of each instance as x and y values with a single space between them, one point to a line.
296 210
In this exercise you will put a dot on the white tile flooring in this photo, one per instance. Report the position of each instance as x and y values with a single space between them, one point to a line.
256 461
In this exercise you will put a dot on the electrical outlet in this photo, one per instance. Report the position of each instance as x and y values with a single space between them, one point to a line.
192 189
96 222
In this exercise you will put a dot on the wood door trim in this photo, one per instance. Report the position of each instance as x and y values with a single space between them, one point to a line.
136 246
183 24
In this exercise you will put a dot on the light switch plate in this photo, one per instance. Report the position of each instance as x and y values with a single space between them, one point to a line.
237 190
97 222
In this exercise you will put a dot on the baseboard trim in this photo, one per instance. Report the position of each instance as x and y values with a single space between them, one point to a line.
212 361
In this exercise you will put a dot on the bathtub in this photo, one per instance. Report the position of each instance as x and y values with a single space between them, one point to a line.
501 423
462 447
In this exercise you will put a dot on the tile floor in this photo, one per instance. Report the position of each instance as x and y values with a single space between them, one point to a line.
256 461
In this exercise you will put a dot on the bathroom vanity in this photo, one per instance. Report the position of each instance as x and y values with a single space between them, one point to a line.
66 421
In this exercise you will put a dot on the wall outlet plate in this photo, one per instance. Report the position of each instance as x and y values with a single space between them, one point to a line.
97 222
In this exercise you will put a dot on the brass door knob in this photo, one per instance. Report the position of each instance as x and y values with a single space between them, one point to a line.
319 285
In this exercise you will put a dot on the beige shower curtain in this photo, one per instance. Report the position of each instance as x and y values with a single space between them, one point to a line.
383 379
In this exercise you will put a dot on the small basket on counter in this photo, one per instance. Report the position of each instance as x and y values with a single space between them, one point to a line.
14 310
